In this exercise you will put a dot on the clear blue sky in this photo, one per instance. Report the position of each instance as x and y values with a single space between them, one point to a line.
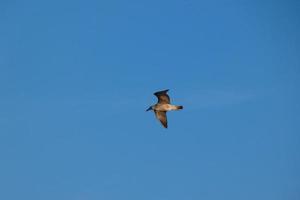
77 76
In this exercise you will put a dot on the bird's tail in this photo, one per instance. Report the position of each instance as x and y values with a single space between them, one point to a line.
179 107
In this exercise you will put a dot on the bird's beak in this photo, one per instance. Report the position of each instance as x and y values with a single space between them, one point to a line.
149 109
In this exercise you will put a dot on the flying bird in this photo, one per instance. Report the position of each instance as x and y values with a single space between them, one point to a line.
162 106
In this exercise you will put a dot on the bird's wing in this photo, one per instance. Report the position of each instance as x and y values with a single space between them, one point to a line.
162 117
162 96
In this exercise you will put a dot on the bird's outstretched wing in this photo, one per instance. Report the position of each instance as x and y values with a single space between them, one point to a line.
162 117
162 96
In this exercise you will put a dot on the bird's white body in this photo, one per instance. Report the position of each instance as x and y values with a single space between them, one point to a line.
164 107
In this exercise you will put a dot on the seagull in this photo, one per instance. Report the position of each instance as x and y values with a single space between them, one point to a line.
162 106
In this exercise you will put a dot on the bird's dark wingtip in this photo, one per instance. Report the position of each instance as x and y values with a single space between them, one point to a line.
161 92
164 91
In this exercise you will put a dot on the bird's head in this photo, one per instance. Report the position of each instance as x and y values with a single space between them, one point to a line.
150 108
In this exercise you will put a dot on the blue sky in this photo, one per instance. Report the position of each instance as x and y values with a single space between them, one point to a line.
77 76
